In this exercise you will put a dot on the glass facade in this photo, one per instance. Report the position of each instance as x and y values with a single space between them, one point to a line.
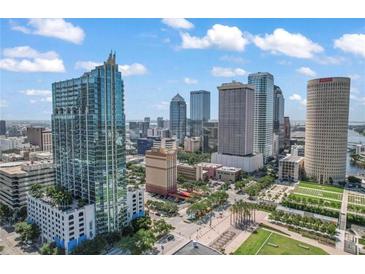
263 117
88 126
199 111
178 117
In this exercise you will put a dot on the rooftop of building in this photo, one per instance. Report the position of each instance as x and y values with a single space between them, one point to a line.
292 158
229 169
209 165
22 167
160 152
178 98
196 248
234 84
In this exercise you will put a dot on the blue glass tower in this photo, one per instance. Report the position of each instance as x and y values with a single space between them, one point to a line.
88 126
178 117
263 117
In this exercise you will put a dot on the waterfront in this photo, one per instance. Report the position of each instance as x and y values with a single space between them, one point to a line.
354 137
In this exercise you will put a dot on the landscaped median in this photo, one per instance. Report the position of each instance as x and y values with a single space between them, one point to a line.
268 242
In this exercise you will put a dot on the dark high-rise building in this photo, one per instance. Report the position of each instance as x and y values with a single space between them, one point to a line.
178 117
88 126
2 127
263 118
278 125
286 132
199 111
236 111
160 122
210 137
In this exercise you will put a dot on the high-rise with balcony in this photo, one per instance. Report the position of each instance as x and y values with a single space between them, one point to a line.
326 129
88 126
199 111
178 117
263 116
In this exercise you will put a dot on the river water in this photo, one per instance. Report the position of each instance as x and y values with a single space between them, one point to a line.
354 137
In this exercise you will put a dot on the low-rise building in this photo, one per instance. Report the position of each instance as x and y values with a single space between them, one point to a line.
135 202
207 170
297 150
291 168
165 143
360 149
161 171
16 179
187 171
144 144
67 227
228 174
192 144
249 163
7 143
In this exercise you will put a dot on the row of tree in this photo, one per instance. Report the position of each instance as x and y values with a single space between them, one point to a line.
165 207
58 194
301 199
310 208
262 183
304 221
207 204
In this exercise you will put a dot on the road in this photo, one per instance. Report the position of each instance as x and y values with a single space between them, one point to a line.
11 245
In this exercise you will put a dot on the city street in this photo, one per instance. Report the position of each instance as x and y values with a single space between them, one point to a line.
11 245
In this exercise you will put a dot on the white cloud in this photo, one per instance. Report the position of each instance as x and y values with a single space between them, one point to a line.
3 103
133 69
38 95
163 105
232 59
306 71
353 43
57 28
329 60
297 98
219 36
190 81
28 52
227 72
358 99
87 65
27 59
178 23
37 92
127 70
291 44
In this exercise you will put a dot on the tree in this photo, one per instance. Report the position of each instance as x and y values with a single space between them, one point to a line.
161 228
5 213
28 232
36 190
143 241
144 222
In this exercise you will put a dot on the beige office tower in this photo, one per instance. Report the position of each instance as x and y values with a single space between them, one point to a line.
326 129
161 171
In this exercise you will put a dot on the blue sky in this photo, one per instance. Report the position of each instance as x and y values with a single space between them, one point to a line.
159 58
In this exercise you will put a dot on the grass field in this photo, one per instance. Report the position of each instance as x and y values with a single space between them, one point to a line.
357 199
265 242
319 193
328 203
321 187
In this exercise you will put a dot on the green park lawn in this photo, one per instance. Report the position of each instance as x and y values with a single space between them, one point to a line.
265 242
321 187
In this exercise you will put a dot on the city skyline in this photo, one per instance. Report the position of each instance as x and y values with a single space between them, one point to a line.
197 53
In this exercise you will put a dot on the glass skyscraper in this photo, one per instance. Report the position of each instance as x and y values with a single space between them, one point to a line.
263 117
178 117
88 126
199 110
279 115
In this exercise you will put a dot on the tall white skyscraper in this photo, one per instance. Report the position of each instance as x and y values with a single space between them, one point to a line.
263 117
326 129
